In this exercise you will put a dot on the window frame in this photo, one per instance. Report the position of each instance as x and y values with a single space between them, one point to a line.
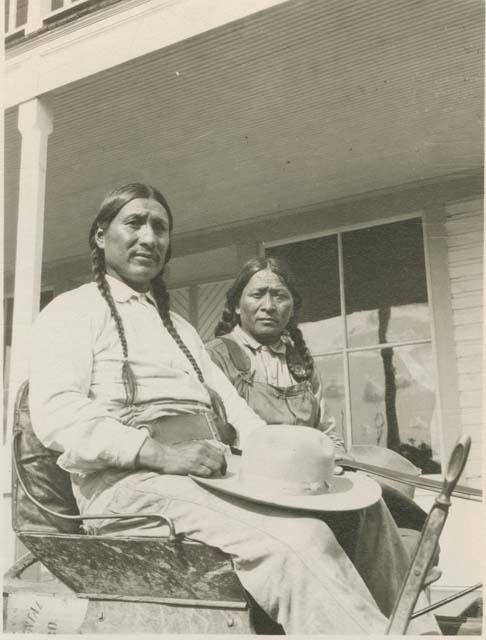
439 301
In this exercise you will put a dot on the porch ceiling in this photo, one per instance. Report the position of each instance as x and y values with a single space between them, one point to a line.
297 105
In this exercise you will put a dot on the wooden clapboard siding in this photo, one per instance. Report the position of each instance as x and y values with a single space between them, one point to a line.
201 305
210 304
469 332
466 269
466 285
470 381
464 300
179 302
470 399
467 348
471 364
464 224
471 416
467 316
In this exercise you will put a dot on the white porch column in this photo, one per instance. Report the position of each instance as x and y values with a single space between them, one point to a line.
35 125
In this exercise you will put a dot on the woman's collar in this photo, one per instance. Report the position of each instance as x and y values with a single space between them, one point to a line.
246 339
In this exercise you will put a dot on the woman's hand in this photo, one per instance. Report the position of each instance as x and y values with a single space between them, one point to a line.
343 457
197 457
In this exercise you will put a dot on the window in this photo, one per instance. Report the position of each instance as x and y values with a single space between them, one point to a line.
366 319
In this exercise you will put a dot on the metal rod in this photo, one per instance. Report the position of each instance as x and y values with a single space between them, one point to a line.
373 347
460 491
390 345
444 601
348 426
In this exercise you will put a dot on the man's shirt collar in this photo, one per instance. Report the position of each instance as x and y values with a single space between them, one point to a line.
121 292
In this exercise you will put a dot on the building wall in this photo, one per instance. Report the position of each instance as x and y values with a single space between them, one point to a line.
464 224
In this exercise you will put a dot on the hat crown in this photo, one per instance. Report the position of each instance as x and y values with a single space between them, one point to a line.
288 459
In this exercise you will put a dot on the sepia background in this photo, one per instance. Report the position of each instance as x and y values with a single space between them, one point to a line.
343 135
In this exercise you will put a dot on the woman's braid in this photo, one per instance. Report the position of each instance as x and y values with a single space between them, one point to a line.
128 377
307 361
162 298
228 322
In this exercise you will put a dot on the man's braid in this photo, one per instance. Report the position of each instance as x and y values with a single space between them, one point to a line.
163 304
128 377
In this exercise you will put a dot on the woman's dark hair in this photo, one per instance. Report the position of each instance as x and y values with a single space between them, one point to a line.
303 368
110 207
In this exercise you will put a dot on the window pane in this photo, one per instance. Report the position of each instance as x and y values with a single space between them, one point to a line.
315 266
331 373
46 297
385 284
393 402
22 8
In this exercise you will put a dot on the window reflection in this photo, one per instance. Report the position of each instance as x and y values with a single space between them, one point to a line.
393 402
315 266
331 373
406 323
323 335
385 284
384 289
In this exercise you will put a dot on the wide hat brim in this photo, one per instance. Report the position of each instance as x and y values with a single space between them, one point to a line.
350 491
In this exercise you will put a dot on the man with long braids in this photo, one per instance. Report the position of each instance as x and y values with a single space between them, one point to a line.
109 358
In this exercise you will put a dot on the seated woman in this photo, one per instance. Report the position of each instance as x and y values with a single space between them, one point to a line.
262 351
111 366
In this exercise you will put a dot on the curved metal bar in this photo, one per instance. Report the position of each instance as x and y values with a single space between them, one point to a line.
19 566
444 601
104 516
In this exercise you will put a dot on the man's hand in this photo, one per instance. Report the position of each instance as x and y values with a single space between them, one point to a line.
199 457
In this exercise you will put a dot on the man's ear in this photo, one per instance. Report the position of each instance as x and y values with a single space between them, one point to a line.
100 238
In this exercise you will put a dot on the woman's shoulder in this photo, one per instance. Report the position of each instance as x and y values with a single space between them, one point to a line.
223 346
217 345
229 354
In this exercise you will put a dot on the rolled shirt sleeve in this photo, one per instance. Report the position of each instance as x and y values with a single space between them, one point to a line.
64 417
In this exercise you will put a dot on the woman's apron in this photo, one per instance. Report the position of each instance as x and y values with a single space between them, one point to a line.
294 405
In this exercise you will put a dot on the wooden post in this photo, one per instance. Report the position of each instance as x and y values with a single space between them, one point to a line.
12 16
35 125
36 11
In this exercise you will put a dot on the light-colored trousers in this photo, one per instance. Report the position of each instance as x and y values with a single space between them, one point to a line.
291 564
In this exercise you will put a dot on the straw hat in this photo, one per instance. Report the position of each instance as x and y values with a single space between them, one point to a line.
288 466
